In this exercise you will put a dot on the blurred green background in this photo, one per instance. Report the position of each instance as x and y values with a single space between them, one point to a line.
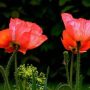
45 13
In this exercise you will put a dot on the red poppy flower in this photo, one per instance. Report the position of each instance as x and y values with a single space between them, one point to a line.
26 35
76 30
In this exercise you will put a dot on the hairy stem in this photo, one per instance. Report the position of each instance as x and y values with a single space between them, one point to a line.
10 62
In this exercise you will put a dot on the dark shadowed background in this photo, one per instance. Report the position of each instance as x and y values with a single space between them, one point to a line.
46 13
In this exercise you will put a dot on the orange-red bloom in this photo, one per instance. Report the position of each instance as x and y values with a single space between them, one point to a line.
26 35
76 30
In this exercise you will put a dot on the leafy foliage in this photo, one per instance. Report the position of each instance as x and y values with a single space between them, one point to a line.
30 75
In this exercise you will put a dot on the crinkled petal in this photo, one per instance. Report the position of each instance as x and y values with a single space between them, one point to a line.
36 40
79 27
23 41
66 17
23 50
5 38
86 30
36 29
67 41
18 27
9 49
85 45
26 34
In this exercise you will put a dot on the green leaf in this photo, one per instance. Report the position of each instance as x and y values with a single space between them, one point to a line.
46 46
2 5
35 2
86 3
56 30
45 85
14 14
67 8
6 14
5 77
62 2
63 87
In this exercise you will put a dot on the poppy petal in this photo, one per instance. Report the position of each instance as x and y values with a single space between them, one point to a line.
66 17
27 35
36 40
9 49
18 27
85 45
67 41
5 38
36 29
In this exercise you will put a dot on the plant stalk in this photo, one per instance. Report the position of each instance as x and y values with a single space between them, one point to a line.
78 68
16 77
71 71
66 59
4 74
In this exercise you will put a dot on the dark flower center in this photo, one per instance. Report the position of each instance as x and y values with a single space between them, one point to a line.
14 45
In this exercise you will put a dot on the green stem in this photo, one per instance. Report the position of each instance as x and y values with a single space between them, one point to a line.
11 60
9 63
45 84
66 59
16 78
4 74
67 73
71 71
78 68
24 85
33 81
